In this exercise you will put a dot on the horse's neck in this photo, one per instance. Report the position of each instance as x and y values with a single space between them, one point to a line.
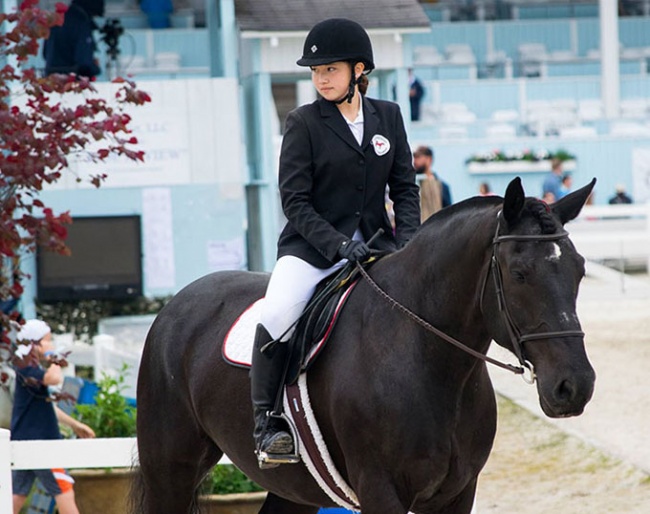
440 277
450 258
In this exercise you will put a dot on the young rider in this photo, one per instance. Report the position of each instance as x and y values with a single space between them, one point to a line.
338 156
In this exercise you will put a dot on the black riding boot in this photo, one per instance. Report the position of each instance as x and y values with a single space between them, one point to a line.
272 440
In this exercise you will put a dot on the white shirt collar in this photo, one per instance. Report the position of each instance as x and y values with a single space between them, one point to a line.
356 126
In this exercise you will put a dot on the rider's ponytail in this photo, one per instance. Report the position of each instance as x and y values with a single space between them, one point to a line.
362 81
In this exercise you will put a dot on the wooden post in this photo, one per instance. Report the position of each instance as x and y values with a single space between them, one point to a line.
6 503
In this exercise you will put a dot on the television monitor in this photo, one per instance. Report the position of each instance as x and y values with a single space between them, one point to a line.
106 261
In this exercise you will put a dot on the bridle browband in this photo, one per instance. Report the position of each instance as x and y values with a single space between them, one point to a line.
516 338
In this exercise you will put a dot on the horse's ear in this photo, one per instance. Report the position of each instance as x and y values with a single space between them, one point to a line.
513 202
568 207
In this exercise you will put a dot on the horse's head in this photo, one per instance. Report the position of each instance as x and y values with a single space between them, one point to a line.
531 294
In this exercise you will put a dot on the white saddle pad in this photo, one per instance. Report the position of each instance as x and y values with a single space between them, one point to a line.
238 345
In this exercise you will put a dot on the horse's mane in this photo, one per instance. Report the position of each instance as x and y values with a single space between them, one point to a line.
469 205
533 208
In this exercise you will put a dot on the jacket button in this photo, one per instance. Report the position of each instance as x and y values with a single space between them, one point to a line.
361 162
359 188
357 214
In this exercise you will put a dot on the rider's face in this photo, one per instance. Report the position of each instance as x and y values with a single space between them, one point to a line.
331 80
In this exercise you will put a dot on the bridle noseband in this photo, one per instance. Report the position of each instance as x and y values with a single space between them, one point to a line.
517 339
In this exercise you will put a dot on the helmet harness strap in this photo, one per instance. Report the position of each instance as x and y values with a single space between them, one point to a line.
353 82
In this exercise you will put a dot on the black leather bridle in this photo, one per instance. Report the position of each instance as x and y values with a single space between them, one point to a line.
516 337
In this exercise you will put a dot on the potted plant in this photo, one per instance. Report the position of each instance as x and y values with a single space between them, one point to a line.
226 490
106 490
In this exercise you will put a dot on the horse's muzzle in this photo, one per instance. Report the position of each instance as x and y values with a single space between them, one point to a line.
566 396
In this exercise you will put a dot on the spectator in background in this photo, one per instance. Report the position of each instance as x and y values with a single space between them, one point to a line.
157 12
71 47
34 416
565 186
548 197
434 193
553 181
621 196
484 189
416 92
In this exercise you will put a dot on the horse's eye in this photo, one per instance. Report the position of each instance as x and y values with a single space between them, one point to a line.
518 275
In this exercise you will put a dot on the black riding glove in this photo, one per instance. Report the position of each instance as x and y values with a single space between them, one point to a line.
354 251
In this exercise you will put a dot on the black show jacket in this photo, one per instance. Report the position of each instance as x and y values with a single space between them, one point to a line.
330 186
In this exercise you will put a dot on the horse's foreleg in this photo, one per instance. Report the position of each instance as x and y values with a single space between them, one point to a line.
276 505
463 503
378 496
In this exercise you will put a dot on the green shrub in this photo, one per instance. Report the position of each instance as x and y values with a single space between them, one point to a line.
111 415
227 479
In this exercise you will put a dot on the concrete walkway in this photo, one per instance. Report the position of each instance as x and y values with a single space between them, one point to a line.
615 316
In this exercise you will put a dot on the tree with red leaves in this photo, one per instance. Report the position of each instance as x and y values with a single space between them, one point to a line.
45 122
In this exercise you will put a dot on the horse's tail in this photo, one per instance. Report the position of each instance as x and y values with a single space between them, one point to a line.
136 493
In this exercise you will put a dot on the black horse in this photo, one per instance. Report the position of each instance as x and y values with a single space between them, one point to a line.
409 419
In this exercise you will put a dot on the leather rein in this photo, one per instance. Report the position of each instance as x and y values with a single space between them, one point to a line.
516 338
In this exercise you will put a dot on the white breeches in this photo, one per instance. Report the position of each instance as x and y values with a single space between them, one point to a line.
292 285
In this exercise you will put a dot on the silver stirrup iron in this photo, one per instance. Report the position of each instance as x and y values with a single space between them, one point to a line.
271 460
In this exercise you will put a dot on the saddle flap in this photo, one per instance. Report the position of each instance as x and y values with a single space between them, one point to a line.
237 348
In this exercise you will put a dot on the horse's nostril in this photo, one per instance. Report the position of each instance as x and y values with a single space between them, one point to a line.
565 391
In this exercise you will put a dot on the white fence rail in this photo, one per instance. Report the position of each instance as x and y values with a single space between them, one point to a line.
613 232
64 453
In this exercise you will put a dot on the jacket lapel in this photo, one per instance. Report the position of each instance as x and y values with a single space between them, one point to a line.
370 123
334 120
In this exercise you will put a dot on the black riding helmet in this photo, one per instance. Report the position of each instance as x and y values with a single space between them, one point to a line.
338 39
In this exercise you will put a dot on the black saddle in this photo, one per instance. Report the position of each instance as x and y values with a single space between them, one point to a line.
318 317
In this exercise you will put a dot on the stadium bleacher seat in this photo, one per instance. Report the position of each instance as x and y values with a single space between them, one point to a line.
453 132
590 110
501 131
427 55
634 108
578 132
629 129
505 115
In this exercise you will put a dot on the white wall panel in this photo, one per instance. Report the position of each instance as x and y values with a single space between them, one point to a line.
190 133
